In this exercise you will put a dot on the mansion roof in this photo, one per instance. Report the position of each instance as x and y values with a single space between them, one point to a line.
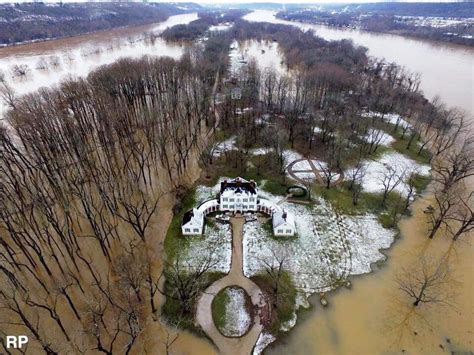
238 186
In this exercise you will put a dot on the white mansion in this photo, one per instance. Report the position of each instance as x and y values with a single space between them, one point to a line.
240 196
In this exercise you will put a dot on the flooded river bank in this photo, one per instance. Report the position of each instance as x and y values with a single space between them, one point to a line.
369 318
446 70
374 317
47 63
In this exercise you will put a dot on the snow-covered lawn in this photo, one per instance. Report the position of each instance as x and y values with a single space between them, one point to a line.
403 166
236 318
328 247
306 175
291 156
227 145
216 243
302 165
260 151
379 137
392 118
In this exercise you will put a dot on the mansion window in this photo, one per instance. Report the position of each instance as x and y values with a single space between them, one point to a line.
288 231
187 230
196 230
224 199
225 206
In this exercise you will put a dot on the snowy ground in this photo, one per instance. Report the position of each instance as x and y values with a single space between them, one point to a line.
224 146
328 247
291 155
403 166
380 137
237 319
216 243
392 118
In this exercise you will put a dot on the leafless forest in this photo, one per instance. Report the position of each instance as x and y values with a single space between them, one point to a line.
83 170
86 167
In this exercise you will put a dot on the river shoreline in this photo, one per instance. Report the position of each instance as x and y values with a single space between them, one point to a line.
408 36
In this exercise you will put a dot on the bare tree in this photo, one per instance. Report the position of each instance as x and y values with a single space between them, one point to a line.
455 165
443 211
7 93
463 216
185 280
20 70
427 282
274 266
329 172
390 178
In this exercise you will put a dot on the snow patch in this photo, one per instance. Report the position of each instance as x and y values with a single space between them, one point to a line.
225 146
403 167
237 319
264 339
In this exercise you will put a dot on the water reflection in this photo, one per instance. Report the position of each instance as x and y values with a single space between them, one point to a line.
375 317
47 64
446 70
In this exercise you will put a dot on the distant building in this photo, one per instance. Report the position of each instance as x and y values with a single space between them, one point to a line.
238 196
236 93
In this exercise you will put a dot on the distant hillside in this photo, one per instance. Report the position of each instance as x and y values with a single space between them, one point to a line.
451 9
434 9
22 22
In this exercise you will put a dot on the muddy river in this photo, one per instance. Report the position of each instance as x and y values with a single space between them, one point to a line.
446 70
370 318
47 63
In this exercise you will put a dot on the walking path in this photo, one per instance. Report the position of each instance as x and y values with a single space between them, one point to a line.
313 172
245 344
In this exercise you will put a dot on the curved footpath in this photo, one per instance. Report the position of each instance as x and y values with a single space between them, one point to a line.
236 277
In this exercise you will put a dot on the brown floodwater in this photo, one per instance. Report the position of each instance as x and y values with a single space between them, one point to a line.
446 70
372 317
50 62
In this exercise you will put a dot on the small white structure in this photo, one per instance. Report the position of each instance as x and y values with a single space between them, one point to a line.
283 224
236 93
238 196
193 222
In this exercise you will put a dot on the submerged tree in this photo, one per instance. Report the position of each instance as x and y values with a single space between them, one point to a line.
427 282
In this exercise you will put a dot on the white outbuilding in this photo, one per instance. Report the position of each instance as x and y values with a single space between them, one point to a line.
283 224
193 222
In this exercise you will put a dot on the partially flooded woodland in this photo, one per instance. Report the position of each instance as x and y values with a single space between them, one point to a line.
84 169
97 172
